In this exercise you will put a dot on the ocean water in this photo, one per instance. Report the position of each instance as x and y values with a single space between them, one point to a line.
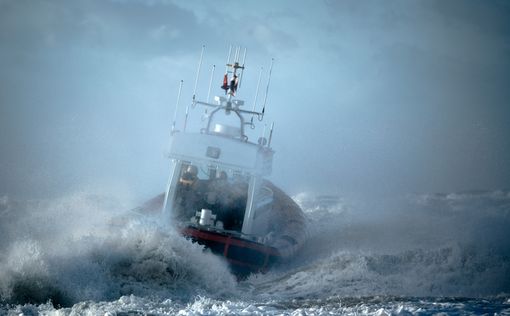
421 254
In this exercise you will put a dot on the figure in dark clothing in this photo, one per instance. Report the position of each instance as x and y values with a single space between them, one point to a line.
188 197
233 85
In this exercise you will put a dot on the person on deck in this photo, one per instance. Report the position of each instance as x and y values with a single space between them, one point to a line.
188 194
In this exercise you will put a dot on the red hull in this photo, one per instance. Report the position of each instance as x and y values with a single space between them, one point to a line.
244 256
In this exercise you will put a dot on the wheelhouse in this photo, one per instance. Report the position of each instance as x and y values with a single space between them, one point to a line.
216 178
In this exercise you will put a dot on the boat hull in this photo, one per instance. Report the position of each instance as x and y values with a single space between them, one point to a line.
244 256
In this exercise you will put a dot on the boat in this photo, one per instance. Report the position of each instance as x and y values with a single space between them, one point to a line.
217 193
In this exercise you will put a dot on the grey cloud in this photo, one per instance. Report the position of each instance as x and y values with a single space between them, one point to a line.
126 27
489 17
402 95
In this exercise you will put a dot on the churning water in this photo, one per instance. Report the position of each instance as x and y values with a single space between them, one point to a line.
418 254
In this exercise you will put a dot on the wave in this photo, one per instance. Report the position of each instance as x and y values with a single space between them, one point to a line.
139 258
71 252
455 244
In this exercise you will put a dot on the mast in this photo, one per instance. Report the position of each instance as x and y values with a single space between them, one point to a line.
232 79
226 104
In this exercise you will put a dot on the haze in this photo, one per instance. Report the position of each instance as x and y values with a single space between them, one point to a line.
371 96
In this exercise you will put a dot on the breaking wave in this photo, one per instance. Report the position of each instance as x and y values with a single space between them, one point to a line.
396 254
52 260
419 245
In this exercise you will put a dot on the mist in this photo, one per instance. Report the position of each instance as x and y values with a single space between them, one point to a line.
396 111
366 97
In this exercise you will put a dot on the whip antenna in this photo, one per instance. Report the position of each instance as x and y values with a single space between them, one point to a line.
257 91
236 55
194 89
210 83
242 68
228 58
198 72
270 135
267 87
177 105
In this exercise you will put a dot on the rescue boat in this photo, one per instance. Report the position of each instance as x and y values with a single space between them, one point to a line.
217 193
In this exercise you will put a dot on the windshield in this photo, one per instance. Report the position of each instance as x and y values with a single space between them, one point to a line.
224 191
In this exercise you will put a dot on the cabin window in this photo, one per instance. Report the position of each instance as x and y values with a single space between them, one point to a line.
224 191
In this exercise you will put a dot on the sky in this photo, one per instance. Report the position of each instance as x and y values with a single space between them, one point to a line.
366 96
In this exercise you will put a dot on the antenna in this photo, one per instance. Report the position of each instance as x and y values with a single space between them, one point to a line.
257 91
198 72
270 135
209 91
177 105
210 83
242 69
236 56
232 88
195 89
228 58
267 87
